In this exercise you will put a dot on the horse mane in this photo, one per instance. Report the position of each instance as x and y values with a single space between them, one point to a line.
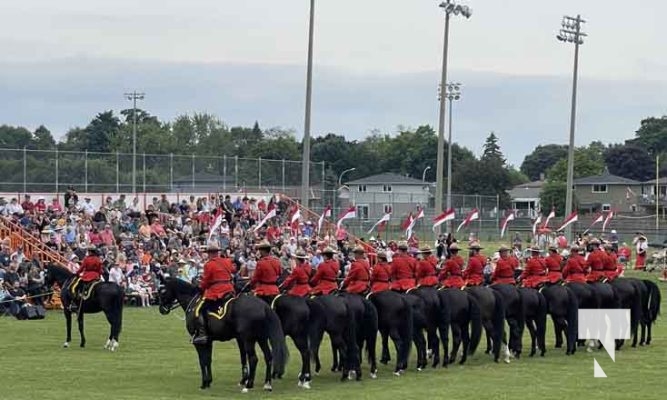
59 273
183 286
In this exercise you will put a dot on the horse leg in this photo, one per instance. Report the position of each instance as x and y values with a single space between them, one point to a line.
488 332
515 337
420 343
371 340
79 320
268 359
456 342
335 367
338 343
385 357
434 345
112 322
444 338
249 346
533 336
301 343
465 338
204 354
68 326
558 330
643 332
649 327
244 363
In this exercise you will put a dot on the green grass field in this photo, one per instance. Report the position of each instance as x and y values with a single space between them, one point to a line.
155 361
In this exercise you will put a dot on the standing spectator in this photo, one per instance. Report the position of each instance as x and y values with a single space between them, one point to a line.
642 246
88 208
116 275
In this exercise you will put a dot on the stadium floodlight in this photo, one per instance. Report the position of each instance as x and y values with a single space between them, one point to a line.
133 97
571 32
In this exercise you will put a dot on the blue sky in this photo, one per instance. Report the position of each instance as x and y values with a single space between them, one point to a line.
376 65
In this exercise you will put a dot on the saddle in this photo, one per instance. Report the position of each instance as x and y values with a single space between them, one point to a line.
213 308
82 290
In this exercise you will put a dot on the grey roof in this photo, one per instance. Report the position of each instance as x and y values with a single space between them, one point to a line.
387 178
530 190
661 181
605 179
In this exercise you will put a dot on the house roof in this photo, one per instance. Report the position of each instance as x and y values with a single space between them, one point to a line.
387 178
661 181
530 190
605 179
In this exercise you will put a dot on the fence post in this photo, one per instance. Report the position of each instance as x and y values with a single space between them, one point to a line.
25 169
224 172
478 206
259 172
324 186
117 171
236 171
193 171
144 166
497 210
283 175
171 172
56 171
85 171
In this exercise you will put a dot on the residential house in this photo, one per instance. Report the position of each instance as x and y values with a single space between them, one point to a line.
376 195
607 192
526 199
648 199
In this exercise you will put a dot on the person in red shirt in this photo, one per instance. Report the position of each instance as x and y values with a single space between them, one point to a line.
40 206
535 272
610 264
216 283
403 268
266 274
596 263
426 268
358 278
554 265
504 272
574 267
451 275
380 274
27 205
297 282
90 271
473 275
325 280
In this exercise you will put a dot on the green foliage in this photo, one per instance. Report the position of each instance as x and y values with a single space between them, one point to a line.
553 195
652 135
588 161
630 161
541 159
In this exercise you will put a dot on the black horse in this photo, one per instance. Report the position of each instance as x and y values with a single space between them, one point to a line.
331 314
366 322
465 319
395 321
245 318
629 294
434 319
105 296
492 308
294 314
514 315
651 310
535 312
563 306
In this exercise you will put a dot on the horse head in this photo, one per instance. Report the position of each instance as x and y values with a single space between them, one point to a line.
173 293
56 274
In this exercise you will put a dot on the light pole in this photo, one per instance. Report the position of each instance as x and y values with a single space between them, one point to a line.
340 177
424 173
134 96
571 32
305 167
453 93
450 8
340 183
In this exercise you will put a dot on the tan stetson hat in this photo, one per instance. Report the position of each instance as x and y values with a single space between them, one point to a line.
503 248
535 249
329 250
574 247
359 249
212 248
426 250
182 261
453 247
382 254
553 247
263 245
595 241
402 245
301 255
475 246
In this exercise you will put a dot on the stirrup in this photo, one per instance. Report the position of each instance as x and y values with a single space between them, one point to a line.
199 338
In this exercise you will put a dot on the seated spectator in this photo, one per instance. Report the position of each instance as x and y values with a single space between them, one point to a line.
12 297
136 288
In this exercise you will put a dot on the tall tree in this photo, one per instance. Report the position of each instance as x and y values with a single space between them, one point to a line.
43 140
652 135
14 137
541 159
492 153
100 132
586 163
553 195
630 161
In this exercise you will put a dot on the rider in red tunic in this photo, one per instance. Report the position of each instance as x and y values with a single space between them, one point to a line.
426 273
574 267
403 268
297 281
266 273
216 283
380 274
91 270
474 273
452 276
504 272
358 278
325 280
596 263
610 264
535 272
553 262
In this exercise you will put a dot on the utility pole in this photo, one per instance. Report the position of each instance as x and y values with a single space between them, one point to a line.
305 158
133 97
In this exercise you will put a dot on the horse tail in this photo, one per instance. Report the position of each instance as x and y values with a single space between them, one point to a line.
316 325
654 299
572 315
407 327
351 339
475 316
279 351
371 329
498 322
120 301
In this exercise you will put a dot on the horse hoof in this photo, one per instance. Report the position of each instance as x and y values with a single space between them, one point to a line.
82 345
589 350
244 390
305 385
107 344
268 387
384 362
374 375
397 373
507 361
66 345
419 369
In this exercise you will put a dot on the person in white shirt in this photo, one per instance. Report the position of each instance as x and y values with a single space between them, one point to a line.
116 275
87 207
14 208
136 287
